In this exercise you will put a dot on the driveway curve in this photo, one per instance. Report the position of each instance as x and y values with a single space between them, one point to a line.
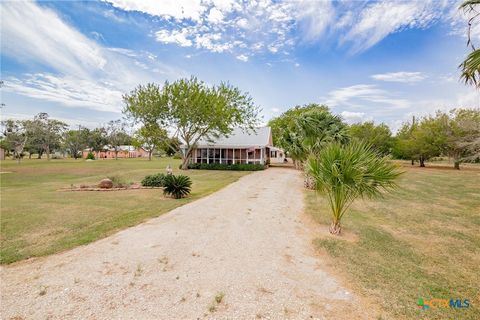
240 253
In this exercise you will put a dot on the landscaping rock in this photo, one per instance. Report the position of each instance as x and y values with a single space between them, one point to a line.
106 184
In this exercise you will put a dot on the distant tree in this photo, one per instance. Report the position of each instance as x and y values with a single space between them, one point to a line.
14 137
306 130
421 140
44 133
378 136
193 110
347 172
97 139
76 141
285 120
150 137
462 130
172 146
117 136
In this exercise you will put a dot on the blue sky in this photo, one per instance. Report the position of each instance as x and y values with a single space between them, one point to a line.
367 60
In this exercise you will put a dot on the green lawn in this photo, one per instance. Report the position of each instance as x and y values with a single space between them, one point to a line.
37 219
423 241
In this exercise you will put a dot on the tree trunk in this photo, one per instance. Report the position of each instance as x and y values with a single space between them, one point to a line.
116 154
47 150
335 228
413 162
185 159
150 155
29 155
456 164
422 161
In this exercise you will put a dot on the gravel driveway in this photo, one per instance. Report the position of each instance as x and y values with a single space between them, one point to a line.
245 245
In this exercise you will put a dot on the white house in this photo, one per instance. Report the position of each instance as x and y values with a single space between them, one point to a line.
238 147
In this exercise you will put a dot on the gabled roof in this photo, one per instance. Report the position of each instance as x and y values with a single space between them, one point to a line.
262 137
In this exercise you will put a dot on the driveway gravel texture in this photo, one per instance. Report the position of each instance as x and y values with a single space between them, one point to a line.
244 252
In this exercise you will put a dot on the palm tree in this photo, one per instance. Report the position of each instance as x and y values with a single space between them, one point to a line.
471 66
345 173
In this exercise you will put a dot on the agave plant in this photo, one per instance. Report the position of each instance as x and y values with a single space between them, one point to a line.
177 186
345 173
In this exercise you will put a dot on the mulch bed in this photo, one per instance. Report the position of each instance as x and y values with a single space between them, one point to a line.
95 188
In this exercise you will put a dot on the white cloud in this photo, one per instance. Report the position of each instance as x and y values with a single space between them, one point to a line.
358 95
242 57
268 26
81 72
176 9
30 32
352 117
215 16
67 90
275 110
401 76
379 19
177 37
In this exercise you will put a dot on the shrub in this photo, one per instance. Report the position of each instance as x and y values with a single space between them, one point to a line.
90 156
154 180
223 166
118 182
177 156
177 186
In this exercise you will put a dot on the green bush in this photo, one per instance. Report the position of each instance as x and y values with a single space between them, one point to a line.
90 156
177 156
177 186
223 166
154 180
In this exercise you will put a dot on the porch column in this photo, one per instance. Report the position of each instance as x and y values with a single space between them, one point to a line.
233 157
261 156
247 155
208 155
220 155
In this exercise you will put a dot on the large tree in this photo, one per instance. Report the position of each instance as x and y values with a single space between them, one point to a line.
45 134
378 136
150 137
305 130
462 131
76 141
116 135
14 137
97 139
192 110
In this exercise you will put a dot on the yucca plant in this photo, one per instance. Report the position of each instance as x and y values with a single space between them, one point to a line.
345 173
177 186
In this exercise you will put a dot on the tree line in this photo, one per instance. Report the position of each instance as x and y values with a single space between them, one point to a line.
305 130
43 135
186 110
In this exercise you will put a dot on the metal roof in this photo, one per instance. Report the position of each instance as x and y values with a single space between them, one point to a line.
262 137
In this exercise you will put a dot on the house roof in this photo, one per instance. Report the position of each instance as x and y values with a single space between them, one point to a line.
262 137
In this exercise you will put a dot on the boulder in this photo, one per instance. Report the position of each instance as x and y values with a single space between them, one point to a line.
106 184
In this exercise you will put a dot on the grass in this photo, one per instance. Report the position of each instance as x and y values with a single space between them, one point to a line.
37 219
422 241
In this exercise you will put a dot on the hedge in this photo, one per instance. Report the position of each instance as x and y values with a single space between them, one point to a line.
223 166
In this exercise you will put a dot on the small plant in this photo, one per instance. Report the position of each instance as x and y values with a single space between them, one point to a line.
154 180
177 186
219 297
118 182
345 173
90 156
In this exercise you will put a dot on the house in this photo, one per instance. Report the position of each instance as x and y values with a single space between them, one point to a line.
239 147
108 152
277 155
